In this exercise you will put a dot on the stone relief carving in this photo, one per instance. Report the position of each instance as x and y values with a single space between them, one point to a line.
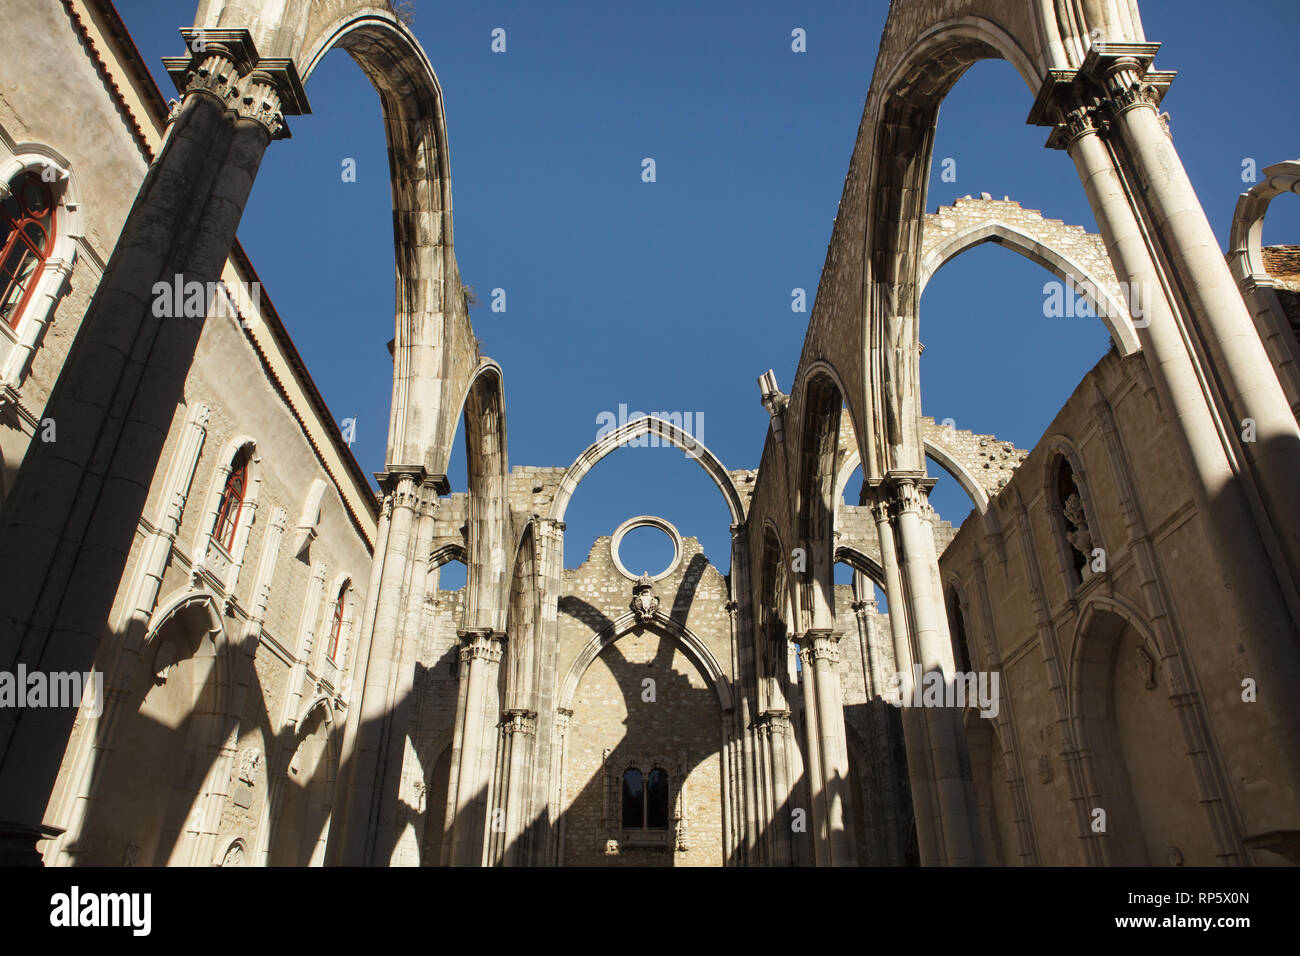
1077 534
644 600
248 764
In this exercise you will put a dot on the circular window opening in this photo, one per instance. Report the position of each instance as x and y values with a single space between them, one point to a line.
643 544
646 549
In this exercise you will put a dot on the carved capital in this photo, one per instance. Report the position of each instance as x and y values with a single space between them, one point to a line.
820 645
909 492
481 645
213 72
773 722
520 722
863 608
225 64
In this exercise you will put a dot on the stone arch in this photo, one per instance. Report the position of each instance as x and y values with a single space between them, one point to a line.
861 562
814 504
986 759
435 353
1246 261
1091 708
445 553
772 617
519 656
943 456
1061 449
666 431
168 730
57 268
225 456
1113 701
956 606
436 782
300 824
921 58
689 641
69 230
1032 237
486 469
1246 237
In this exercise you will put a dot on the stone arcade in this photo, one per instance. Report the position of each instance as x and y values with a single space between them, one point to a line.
286 683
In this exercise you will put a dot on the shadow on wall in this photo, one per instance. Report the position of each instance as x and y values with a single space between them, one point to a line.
158 781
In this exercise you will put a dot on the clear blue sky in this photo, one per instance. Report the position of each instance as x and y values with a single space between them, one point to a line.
676 295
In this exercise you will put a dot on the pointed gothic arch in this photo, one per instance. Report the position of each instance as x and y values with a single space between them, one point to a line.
664 430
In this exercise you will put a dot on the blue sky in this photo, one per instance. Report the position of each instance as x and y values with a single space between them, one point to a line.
675 295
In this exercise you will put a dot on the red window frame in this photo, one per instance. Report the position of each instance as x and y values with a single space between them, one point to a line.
19 217
336 629
232 501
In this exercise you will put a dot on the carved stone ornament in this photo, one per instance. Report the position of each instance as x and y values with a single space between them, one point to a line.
644 600
1146 666
248 765
235 855
1078 535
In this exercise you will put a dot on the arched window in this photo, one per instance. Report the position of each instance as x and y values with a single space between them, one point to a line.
232 500
26 239
1073 525
656 800
336 628
633 801
957 630
645 800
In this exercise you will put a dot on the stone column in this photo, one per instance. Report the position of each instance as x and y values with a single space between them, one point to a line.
480 658
814 776
915 733
774 733
547 800
402 649
1214 309
1182 384
71 517
359 822
821 656
932 660
519 734
563 717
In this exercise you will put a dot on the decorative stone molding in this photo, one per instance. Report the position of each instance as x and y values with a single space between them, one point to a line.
644 603
676 836
646 521
224 64
481 645
520 722
820 645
